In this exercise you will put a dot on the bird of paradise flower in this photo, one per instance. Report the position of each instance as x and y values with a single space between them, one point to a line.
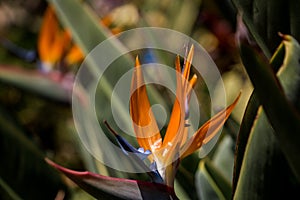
164 154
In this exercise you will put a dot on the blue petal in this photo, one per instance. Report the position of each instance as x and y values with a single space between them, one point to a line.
127 147
140 154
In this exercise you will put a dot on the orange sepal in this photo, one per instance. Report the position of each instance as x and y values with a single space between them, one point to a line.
144 123
201 136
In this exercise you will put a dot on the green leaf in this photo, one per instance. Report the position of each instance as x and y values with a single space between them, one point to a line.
223 157
246 12
185 175
243 136
34 81
104 187
265 18
263 160
273 99
267 145
249 118
23 168
211 183
180 191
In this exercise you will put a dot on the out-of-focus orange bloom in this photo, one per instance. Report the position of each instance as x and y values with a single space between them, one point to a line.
55 45
53 41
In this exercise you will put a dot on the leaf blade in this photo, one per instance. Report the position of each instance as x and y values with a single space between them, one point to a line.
34 81
115 188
